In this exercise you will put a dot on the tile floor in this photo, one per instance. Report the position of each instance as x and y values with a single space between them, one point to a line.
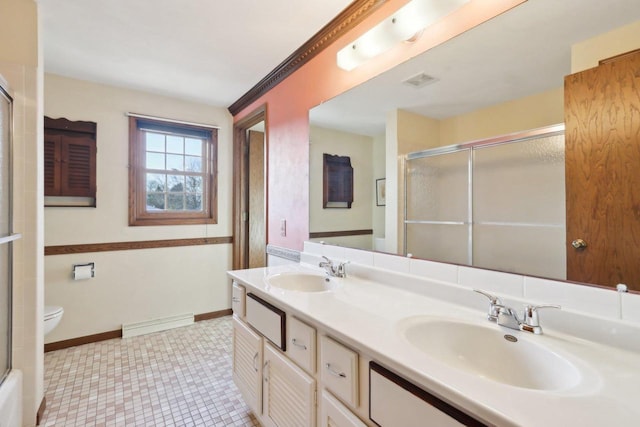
180 377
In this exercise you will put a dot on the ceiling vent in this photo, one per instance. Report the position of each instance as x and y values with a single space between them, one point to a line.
420 80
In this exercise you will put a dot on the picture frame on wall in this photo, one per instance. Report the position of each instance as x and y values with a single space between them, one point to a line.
381 192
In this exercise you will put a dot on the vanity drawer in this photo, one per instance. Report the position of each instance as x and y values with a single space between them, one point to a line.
267 319
238 293
395 402
335 414
302 344
339 370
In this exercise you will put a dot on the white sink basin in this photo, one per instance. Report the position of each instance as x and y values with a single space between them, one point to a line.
301 282
491 352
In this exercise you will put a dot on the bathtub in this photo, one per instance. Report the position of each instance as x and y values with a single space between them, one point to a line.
11 400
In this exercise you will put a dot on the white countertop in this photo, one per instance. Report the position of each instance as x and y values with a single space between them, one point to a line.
367 315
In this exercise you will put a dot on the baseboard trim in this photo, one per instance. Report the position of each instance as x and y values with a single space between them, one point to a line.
103 336
212 315
40 413
87 339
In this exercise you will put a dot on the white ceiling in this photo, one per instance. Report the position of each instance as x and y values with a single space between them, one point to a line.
522 52
210 51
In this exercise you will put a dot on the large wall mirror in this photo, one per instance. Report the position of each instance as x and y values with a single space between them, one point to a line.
505 76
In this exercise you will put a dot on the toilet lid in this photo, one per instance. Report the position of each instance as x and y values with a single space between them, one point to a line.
52 311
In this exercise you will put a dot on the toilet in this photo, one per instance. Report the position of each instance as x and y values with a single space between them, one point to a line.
52 316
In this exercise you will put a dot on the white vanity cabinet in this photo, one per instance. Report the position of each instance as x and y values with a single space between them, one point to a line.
247 364
292 373
279 392
289 394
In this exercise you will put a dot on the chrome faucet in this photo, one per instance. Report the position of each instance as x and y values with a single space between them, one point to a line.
332 269
509 318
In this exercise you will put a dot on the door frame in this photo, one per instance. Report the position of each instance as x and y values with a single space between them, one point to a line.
240 184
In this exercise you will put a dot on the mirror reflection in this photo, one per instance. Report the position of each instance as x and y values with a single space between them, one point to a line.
503 77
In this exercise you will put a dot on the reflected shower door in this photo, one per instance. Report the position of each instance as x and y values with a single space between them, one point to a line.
437 214
519 207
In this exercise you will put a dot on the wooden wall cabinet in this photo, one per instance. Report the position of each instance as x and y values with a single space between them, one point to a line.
69 162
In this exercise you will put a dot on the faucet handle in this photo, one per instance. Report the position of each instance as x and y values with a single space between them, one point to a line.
531 320
492 298
495 305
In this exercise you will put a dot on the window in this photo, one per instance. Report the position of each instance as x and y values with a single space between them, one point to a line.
69 163
172 173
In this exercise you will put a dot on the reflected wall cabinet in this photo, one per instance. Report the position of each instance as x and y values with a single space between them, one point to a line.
337 185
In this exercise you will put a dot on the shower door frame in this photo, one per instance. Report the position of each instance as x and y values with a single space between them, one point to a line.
11 236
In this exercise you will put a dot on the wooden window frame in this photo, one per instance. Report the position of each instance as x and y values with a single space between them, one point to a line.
138 214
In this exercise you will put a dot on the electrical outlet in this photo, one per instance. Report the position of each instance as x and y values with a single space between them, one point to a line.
283 227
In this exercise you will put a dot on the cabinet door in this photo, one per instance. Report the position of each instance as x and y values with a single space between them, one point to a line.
247 363
288 392
335 414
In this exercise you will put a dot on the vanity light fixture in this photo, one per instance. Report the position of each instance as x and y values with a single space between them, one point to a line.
405 24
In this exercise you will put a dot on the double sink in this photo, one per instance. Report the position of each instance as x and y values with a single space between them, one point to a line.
483 350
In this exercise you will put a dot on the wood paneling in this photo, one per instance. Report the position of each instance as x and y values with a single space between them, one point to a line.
355 13
126 246
602 118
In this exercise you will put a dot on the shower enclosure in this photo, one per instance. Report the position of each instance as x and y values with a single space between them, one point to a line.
497 203
6 233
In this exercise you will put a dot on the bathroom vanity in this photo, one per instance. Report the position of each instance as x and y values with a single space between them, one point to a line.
385 348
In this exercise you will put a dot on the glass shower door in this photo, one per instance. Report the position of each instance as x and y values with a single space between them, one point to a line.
6 236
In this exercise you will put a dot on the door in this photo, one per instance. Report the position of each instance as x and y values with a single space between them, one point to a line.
249 191
257 229
603 173
247 364
288 392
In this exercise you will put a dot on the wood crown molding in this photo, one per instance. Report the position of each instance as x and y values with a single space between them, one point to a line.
355 13
125 246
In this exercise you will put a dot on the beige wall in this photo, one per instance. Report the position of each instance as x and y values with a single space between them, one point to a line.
586 54
136 285
19 59
531 112
360 149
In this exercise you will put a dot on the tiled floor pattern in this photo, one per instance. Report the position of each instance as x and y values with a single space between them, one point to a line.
180 377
